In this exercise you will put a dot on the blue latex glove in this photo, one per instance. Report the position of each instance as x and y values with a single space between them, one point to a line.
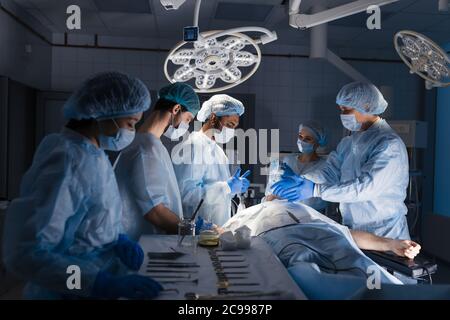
288 173
129 252
130 286
245 182
201 225
237 183
294 190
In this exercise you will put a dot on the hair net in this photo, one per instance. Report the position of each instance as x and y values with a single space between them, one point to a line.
107 95
364 97
220 105
317 131
183 94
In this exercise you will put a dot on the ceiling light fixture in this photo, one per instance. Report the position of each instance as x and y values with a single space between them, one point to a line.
215 61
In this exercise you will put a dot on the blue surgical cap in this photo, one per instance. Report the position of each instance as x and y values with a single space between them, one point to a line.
108 95
316 130
220 105
183 94
364 97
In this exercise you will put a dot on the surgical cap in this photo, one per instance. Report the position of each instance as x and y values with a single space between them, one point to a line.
316 130
183 94
364 97
220 105
108 95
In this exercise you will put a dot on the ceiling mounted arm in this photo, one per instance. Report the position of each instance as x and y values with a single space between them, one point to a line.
304 21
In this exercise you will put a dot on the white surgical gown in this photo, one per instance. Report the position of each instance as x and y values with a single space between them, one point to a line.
146 179
68 213
301 169
203 173
368 175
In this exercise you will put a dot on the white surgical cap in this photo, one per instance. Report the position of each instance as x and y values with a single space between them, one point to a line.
364 97
220 105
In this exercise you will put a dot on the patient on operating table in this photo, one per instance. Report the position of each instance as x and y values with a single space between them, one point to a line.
299 234
276 214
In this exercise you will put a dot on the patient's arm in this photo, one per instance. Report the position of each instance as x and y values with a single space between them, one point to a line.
369 241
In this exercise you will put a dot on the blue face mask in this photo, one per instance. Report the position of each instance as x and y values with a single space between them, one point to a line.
350 123
121 140
305 147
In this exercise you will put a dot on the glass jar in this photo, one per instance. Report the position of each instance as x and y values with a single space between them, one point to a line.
186 233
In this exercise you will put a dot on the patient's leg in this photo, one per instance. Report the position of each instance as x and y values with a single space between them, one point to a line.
369 241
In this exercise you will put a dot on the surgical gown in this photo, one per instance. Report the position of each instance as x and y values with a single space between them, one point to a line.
202 171
68 213
299 168
368 175
146 179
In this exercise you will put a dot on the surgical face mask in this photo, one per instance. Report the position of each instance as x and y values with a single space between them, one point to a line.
225 135
305 147
121 140
350 123
174 133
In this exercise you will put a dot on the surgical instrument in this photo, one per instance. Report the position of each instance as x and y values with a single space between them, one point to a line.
169 271
231 295
165 255
179 281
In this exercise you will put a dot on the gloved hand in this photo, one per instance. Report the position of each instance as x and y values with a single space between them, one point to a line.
288 173
129 252
130 286
245 181
239 184
201 225
294 190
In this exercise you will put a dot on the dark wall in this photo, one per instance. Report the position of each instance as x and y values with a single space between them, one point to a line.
18 132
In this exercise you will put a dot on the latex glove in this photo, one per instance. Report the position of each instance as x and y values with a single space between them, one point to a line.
237 183
201 225
288 173
130 286
294 190
129 252
245 182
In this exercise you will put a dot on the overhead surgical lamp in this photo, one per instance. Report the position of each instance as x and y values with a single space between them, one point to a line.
305 21
424 58
216 60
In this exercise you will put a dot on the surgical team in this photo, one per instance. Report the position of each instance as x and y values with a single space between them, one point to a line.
76 208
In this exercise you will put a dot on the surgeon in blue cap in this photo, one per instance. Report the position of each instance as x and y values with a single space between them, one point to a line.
368 172
67 219
147 181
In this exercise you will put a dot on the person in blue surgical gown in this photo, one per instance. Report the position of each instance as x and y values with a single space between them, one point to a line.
311 136
202 167
147 182
67 219
367 174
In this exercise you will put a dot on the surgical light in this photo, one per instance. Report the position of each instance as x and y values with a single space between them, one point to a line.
424 58
217 60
